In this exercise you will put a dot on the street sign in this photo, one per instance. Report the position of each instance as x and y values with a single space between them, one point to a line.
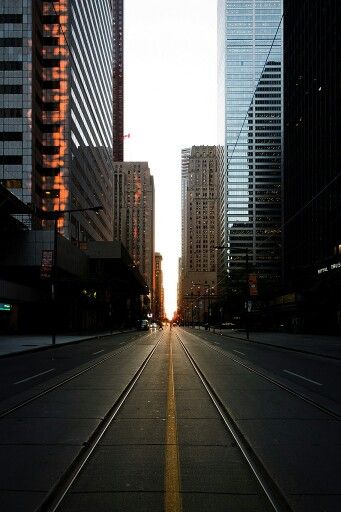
5 307
253 289
46 264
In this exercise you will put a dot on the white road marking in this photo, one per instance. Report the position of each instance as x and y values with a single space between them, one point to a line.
95 353
242 353
304 378
34 376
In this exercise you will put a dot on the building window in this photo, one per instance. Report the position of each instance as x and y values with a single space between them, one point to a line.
10 42
10 112
10 65
10 18
10 89
50 19
11 183
10 136
53 193
10 160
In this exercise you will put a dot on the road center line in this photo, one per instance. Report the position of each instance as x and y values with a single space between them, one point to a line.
304 378
99 352
34 376
173 502
238 352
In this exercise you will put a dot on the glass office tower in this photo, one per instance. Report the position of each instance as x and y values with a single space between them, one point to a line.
250 131
312 105
118 81
56 110
91 105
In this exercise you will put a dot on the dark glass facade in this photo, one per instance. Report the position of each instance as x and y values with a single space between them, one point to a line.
250 131
312 162
91 117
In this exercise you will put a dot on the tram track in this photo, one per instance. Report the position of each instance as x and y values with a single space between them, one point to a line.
6 412
267 378
54 500
62 488
274 495
56 495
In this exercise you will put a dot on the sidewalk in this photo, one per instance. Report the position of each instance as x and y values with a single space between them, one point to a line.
324 345
11 344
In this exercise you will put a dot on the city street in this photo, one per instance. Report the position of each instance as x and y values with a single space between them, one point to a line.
170 262
160 421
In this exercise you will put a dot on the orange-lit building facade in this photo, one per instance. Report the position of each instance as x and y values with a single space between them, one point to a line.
159 312
56 110
134 216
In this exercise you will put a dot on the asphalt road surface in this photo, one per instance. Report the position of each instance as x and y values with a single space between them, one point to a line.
173 420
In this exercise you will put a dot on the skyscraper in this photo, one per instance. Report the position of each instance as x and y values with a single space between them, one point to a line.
134 215
250 131
185 156
56 110
312 184
200 231
118 83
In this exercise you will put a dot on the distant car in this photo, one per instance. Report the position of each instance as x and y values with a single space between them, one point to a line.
228 325
143 325
153 325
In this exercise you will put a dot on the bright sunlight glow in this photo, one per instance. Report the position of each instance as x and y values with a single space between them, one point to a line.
170 104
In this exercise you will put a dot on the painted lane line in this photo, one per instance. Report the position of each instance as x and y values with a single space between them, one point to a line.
238 352
99 352
173 501
304 378
34 376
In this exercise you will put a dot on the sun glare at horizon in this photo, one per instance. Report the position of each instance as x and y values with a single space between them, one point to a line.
170 104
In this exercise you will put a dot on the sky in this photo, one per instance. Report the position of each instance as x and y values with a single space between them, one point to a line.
170 103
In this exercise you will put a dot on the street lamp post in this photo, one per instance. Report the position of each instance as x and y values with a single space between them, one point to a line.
55 215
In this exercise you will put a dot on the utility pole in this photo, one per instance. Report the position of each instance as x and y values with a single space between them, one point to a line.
53 279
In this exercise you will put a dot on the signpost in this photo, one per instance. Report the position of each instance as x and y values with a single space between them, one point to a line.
46 264
253 289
